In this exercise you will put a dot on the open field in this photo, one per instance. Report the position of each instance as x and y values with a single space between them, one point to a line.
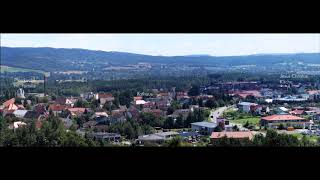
14 69
251 120
71 72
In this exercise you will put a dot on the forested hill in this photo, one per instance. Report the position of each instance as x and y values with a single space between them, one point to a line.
52 59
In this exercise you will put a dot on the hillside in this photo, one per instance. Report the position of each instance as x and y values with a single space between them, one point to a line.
52 59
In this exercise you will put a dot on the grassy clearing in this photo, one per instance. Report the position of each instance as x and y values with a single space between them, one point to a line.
241 118
14 69
251 120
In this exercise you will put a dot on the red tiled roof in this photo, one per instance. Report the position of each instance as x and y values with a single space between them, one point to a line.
57 107
312 92
236 134
10 101
281 118
77 110
297 112
105 95
20 106
12 107
137 98
244 94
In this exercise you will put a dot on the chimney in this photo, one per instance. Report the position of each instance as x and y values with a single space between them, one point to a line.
46 75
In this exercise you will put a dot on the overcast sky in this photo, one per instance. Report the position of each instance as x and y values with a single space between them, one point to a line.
172 44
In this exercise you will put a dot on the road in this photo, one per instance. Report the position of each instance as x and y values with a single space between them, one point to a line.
217 113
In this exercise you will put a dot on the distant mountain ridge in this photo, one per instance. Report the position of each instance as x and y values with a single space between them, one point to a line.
53 59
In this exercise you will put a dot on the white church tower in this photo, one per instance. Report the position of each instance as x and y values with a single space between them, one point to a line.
20 93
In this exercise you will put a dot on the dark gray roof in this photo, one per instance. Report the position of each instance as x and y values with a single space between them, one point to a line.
205 124
32 115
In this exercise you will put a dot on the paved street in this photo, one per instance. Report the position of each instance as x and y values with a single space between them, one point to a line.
217 113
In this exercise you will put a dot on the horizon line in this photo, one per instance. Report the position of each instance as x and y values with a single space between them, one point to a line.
187 55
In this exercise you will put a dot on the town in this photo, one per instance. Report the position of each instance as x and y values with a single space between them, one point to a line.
242 113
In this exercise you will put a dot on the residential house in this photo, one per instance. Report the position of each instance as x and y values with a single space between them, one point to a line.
182 97
100 114
76 112
37 117
311 113
156 112
8 102
298 108
19 113
41 109
140 102
246 106
118 117
87 95
317 109
117 111
65 101
265 110
281 110
297 112
316 116
17 124
10 105
34 115
314 94
149 105
104 97
153 99
180 112
137 98
274 121
58 108
164 96
244 94
257 109
163 104
268 100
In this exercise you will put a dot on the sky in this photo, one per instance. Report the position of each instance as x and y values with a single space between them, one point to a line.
173 44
